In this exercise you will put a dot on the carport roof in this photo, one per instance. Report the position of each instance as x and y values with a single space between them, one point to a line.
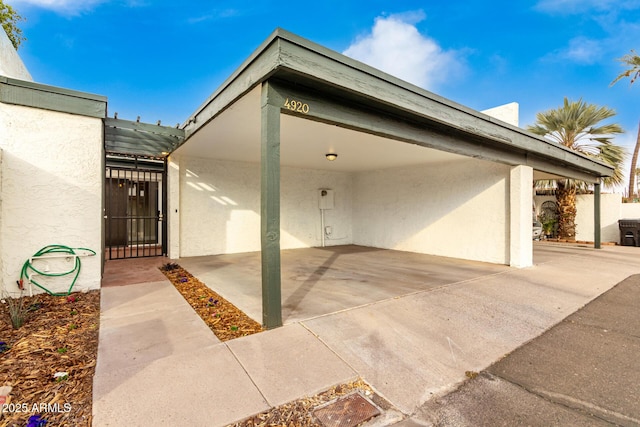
363 98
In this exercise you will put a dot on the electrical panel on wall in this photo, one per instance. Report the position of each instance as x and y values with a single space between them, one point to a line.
325 198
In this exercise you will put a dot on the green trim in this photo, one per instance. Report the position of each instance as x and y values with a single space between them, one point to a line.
597 227
375 95
144 127
416 129
140 139
270 209
29 94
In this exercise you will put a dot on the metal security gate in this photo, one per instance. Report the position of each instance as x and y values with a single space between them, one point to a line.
135 206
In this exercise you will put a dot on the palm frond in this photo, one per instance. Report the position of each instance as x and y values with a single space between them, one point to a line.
577 125
632 61
575 121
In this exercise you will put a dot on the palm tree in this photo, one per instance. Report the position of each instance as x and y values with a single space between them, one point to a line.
575 125
633 62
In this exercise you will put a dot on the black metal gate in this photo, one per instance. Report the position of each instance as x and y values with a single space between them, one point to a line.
135 207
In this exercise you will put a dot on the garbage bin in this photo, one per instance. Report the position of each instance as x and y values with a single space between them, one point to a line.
629 232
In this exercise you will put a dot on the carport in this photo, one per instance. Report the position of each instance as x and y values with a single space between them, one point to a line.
413 171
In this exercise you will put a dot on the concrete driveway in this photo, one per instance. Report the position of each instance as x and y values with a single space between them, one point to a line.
410 347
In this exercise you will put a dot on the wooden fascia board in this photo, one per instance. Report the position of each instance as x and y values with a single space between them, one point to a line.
255 70
30 94
355 78
284 51
347 113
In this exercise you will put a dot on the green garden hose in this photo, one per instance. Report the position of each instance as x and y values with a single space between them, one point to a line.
53 249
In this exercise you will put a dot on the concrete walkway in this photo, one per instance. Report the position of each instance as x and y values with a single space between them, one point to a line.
158 364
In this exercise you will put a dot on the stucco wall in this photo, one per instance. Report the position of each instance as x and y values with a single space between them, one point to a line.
609 216
173 207
630 210
10 63
455 209
220 207
51 190
508 113
610 212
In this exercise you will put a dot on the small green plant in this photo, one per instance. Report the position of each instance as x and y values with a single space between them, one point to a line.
74 312
62 350
549 226
60 376
72 326
17 310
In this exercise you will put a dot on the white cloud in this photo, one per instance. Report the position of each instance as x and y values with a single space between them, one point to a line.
65 7
582 51
614 19
395 46
215 15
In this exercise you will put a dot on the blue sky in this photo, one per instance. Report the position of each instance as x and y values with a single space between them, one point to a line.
161 59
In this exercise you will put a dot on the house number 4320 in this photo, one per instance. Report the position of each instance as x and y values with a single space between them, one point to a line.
297 106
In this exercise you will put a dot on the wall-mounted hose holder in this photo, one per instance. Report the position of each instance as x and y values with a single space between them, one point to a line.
29 271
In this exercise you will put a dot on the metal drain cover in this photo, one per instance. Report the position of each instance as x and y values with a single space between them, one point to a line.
347 411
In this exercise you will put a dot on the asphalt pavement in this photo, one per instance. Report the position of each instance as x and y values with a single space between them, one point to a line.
585 371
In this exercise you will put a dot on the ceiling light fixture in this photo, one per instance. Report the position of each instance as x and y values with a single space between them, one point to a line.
331 156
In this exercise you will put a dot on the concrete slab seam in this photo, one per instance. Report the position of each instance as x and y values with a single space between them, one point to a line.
328 347
358 375
410 294
248 375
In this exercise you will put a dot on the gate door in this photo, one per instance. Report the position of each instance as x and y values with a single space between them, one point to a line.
135 203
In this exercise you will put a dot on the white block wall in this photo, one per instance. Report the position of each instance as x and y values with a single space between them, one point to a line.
51 189
220 207
508 113
629 210
10 63
611 210
609 216
454 209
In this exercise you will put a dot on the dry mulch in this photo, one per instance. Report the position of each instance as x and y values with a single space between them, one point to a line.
225 319
299 413
60 335
228 322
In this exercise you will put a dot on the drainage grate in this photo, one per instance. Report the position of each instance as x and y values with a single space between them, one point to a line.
348 411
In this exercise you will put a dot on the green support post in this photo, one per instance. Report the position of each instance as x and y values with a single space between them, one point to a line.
270 210
596 217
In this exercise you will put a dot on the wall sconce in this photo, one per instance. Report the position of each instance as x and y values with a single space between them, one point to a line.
331 156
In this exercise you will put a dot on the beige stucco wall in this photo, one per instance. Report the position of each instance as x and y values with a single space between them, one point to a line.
609 215
508 113
10 63
520 194
611 210
51 190
173 207
456 209
220 207
630 210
